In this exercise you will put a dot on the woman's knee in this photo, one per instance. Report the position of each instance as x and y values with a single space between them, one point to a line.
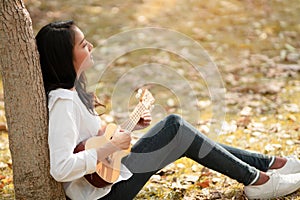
174 119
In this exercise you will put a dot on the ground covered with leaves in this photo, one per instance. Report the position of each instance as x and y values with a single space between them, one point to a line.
256 46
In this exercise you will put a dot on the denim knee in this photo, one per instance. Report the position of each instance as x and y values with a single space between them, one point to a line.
171 125
174 119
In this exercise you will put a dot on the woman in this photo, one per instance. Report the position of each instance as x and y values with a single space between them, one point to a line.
64 55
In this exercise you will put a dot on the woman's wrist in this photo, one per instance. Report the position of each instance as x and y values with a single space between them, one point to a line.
104 151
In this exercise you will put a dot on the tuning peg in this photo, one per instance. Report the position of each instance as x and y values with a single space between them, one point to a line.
139 93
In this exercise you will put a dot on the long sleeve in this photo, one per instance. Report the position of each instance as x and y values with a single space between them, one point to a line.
70 123
63 136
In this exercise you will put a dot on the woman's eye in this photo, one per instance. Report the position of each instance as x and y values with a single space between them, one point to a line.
85 44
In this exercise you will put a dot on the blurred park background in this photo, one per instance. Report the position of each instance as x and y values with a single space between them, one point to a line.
254 43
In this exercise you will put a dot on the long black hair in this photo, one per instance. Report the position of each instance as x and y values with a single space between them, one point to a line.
55 43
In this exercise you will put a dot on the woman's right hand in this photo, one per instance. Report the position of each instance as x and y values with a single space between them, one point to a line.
121 139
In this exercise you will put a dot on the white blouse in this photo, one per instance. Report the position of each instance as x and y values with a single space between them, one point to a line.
70 123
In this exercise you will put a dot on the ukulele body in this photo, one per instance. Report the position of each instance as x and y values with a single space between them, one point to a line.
109 168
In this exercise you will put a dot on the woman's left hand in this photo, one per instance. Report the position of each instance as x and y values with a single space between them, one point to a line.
144 121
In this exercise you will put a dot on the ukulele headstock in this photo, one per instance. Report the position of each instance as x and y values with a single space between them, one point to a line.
145 97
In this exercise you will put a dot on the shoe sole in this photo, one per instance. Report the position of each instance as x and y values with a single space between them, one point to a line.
270 197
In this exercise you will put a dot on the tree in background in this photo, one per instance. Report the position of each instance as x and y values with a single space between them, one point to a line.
25 105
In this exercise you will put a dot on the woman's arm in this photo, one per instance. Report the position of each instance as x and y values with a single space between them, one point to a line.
63 136
120 141
64 119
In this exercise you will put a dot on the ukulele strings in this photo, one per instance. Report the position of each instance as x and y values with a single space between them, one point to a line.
134 117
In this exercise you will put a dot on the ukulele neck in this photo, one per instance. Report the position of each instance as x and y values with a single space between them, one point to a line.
133 118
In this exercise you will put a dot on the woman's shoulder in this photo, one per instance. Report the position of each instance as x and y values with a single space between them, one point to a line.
61 95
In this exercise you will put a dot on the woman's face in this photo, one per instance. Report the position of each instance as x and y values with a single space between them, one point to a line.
82 57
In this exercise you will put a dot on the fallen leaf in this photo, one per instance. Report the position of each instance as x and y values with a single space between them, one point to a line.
246 111
203 184
3 126
293 108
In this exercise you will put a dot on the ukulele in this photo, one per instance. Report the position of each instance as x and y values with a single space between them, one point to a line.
108 171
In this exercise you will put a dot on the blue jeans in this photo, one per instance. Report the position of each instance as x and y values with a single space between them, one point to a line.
173 138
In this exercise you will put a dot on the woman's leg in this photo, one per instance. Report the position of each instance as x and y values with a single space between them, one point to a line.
259 161
128 189
169 140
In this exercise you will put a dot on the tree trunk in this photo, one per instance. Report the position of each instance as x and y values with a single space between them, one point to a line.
25 105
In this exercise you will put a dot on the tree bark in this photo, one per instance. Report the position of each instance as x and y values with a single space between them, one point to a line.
25 105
